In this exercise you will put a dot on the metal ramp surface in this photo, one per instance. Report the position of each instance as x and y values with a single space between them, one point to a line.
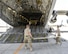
38 48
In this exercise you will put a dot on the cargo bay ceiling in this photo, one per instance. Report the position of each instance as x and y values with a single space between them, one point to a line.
21 12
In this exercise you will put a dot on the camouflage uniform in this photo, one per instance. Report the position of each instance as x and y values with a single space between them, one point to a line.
27 38
58 35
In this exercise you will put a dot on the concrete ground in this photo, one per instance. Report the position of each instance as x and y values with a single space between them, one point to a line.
38 48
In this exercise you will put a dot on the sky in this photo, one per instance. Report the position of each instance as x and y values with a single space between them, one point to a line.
61 5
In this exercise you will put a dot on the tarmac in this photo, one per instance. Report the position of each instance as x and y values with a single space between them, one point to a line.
49 47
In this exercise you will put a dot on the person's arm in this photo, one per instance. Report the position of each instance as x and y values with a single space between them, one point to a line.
30 33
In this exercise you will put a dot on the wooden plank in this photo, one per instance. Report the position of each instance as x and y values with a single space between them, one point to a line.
45 37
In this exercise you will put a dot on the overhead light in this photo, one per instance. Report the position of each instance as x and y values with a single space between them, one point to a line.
20 15
9 8
20 7
13 11
29 22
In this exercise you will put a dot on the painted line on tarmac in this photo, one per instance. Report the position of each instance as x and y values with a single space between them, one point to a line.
19 48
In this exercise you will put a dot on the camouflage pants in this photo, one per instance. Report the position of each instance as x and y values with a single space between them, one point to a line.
58 39
27 40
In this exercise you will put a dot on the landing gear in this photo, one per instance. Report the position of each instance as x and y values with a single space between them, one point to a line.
54 17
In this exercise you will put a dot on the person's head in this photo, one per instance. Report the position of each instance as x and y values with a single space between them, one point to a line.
27 26
57 26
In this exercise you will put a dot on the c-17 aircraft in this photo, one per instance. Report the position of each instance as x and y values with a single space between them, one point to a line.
37 13
18 13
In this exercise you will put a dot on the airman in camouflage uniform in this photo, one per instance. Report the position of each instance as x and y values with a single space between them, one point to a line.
58 35
28 37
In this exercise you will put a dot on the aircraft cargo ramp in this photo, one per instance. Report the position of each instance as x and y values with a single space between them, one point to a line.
15 35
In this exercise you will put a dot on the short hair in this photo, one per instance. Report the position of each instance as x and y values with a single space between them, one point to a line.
27 25
57 25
